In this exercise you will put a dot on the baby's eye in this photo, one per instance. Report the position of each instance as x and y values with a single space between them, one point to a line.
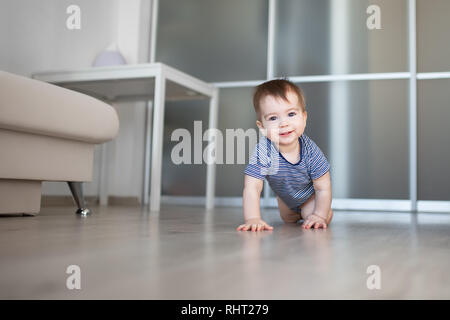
291 114
272 118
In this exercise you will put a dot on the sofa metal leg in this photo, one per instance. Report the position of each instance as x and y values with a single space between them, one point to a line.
77 192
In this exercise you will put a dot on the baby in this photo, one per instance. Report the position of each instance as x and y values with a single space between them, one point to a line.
294 166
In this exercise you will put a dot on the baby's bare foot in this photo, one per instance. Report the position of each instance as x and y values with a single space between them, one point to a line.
328 220
314 221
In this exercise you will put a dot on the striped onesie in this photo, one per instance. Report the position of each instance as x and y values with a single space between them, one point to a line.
291 182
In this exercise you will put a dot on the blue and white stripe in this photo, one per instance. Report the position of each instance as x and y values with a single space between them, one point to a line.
291 182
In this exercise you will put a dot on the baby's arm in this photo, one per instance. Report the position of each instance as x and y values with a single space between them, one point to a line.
322 199
322 190
251 205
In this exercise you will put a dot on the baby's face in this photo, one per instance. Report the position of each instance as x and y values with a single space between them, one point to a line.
282 121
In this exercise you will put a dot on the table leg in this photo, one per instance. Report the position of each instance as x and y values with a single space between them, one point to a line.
211 167
157 144
148 139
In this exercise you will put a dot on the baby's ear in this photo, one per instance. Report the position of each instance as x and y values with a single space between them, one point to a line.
259 124
262 130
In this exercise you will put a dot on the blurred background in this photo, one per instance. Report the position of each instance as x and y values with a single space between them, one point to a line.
378 100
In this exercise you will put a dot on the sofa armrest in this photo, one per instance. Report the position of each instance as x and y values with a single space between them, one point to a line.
33 106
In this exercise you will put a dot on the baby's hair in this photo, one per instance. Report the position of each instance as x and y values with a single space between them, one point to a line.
276 88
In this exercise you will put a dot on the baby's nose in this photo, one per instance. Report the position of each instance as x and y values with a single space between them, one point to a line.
283 123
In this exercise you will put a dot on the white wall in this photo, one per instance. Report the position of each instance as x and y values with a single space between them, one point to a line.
34 37
39 40
127 151
4 26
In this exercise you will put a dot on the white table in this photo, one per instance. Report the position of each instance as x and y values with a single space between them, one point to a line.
152 82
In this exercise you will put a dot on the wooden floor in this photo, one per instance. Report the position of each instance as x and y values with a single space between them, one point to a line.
188 253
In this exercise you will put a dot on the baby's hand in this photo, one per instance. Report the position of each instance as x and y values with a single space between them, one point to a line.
315 221
254 225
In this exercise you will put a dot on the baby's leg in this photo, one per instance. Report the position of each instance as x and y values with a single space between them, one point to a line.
287 215
308 208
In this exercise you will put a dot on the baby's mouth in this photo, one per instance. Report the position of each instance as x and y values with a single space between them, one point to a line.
286 133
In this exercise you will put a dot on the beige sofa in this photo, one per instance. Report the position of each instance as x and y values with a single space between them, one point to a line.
47 133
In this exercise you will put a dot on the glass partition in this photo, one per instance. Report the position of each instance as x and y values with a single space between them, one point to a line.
235 112
183 179
433 98
331 37
214 40
433 28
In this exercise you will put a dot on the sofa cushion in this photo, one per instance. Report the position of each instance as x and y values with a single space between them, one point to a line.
38 107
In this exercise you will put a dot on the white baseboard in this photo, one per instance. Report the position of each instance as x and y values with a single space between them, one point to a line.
337 204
